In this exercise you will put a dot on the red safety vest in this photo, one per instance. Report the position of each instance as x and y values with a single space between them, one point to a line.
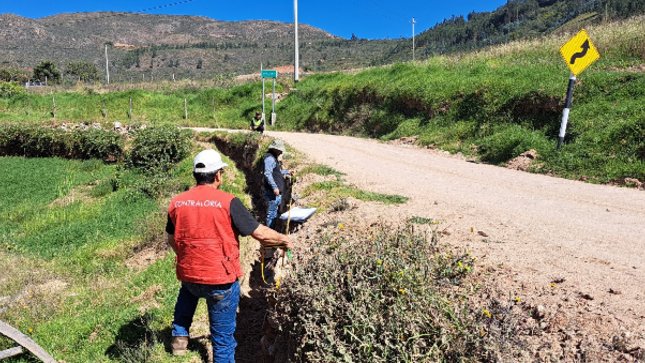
208 251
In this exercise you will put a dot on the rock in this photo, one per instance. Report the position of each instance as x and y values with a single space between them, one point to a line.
622 342
632 182
482 233
539 312
531 154
586 296
523 161
615 292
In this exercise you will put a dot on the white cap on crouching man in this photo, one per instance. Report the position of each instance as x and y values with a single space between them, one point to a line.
278 144
208 161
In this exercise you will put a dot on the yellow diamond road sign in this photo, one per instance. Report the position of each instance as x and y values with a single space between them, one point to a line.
579 53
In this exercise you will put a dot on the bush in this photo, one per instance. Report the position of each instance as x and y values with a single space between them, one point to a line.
377 299
14 75
9 89
33 141
158 148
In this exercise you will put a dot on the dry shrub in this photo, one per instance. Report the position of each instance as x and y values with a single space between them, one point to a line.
385 295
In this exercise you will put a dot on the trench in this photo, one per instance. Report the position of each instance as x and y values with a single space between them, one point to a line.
252 309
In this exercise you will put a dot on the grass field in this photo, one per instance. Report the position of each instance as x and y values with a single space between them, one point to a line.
230 107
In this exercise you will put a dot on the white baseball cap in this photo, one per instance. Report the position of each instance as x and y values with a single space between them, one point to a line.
208 161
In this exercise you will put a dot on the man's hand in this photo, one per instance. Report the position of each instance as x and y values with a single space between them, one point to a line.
288 244
276 192
270 238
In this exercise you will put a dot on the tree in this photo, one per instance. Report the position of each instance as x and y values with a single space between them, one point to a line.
47 70
81 70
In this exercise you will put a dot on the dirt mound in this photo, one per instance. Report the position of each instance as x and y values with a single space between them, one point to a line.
523 161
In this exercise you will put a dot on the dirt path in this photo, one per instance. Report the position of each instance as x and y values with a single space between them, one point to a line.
539 228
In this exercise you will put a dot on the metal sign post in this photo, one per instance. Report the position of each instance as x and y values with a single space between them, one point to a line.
273 115
579 53
567 109
262 76
273 74
263 98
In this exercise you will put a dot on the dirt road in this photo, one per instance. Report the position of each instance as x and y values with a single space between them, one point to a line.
540 228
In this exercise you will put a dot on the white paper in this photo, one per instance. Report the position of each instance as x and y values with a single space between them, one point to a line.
298 214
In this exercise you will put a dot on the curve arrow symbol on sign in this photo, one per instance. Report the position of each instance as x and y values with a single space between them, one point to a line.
585 49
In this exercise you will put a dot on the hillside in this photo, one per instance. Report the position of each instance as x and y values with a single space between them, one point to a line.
149 43
522 19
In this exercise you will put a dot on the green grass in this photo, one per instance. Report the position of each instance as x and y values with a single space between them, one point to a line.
218 107
335 190
322 170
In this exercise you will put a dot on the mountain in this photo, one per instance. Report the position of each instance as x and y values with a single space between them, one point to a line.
154 44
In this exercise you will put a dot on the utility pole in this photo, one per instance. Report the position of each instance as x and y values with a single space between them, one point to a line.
107 66
297 56
413 45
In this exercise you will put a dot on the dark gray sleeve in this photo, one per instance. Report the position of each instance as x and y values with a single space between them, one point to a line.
170 227
243 221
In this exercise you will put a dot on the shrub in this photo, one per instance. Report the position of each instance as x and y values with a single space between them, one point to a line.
377 299
47 71
9 89
158 148
33 141
14 75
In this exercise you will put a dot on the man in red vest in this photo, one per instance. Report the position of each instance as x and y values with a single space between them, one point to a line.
203 227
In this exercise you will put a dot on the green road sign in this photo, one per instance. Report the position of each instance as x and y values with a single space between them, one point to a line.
269 74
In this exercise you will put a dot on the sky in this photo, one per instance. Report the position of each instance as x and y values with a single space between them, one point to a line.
370 19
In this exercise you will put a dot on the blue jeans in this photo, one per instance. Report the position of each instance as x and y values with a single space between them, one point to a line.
222 311
273 204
